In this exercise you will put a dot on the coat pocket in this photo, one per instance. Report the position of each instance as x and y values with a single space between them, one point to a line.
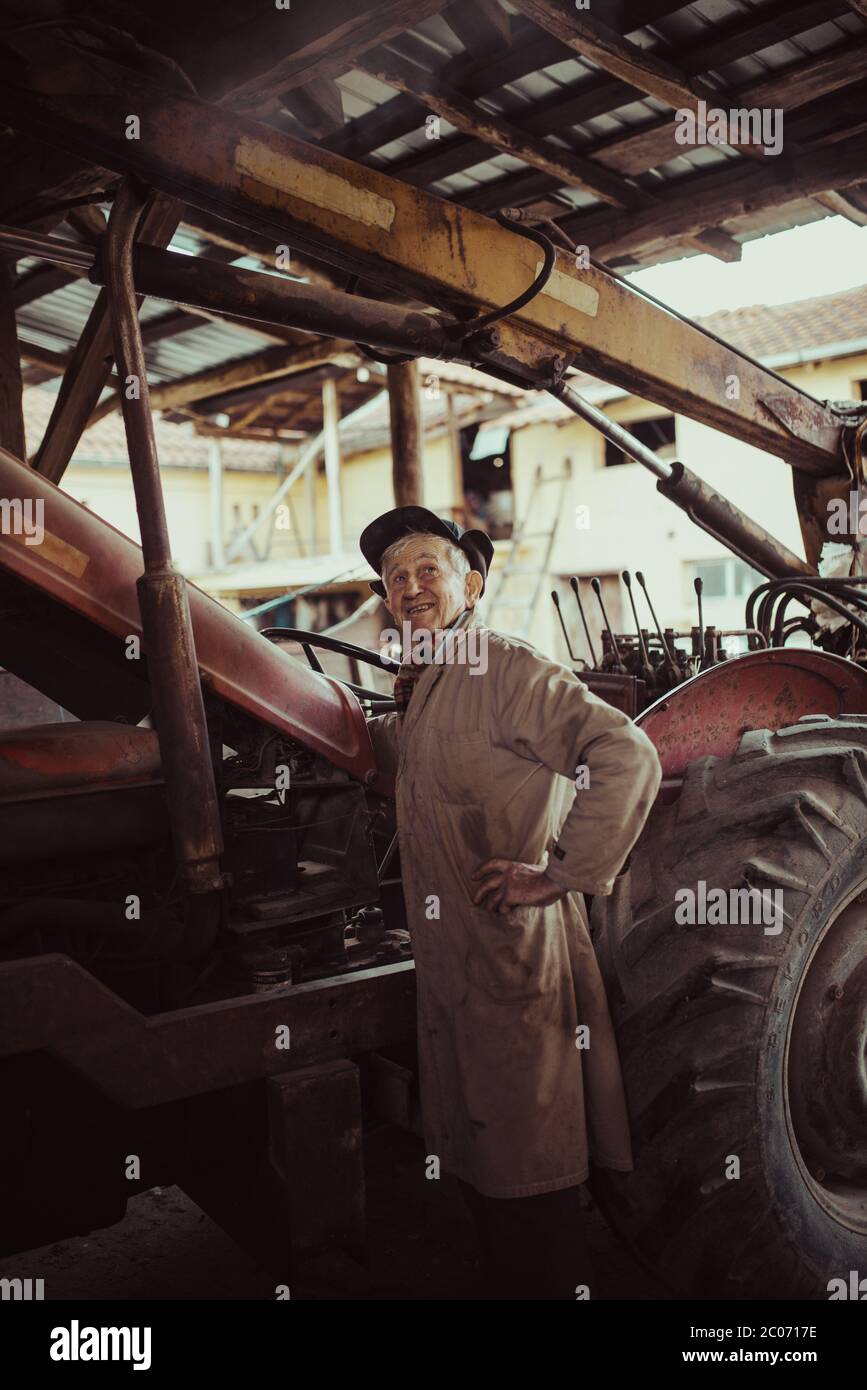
460 766
515 961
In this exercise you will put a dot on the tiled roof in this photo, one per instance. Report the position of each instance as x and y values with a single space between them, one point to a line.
105 442
776 329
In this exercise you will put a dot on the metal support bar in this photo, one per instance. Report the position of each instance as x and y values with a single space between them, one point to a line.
47 248
89 366
710 511
168 635
251 295
261 298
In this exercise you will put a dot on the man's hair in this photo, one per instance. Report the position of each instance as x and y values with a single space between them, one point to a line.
458 557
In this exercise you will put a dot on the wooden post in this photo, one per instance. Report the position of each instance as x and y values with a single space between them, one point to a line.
310 499
456 459
11 408
404 409
330 425
215 479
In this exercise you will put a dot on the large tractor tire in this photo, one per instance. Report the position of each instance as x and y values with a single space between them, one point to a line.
743 1049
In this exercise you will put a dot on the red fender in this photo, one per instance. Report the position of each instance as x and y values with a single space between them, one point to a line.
759 690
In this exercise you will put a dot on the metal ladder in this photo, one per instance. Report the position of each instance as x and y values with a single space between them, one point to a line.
514 614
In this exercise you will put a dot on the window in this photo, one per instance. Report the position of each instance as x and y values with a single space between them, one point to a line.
486 469
657 434
725 577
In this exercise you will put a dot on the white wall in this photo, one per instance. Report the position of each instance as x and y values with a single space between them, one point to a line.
631 526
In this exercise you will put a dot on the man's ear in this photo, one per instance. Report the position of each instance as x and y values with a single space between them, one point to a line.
472 588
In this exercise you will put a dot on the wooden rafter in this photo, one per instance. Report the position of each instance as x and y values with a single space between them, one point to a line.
551 160
42 280
482 26
719 197
318 107
793 87
569 169
170 325
596 96
50 362
329 51
239 425
655 144
475 75
843 207
290 388
642 68
272 363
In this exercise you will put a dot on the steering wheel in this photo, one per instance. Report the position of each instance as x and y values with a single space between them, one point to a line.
310 640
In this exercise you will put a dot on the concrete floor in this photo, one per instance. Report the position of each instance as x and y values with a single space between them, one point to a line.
420 1247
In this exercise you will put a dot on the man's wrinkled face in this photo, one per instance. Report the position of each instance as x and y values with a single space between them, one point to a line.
423 588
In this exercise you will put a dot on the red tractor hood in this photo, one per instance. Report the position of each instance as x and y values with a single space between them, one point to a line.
86 565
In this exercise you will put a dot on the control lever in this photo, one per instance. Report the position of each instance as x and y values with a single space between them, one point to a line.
645 659
597 589
556 597
698 585
574 583
669 659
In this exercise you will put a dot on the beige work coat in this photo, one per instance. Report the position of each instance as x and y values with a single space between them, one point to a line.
514 1099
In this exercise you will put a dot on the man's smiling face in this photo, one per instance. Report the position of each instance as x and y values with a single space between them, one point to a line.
424 588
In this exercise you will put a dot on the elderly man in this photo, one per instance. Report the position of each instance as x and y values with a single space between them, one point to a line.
518 791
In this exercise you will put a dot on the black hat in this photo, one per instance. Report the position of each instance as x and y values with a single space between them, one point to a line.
402 521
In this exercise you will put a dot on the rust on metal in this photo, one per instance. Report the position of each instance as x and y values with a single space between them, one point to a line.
168 635
708 715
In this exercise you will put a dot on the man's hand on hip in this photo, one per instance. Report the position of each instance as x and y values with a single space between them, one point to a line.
507 884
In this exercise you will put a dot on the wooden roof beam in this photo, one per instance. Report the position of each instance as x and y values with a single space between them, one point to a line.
482 26
600 95
36 283
261 366
565 168
642 68
318 107
719 197
329 50
570 169
793 87
475 75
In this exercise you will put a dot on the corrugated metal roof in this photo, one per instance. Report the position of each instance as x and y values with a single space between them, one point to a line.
55 322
